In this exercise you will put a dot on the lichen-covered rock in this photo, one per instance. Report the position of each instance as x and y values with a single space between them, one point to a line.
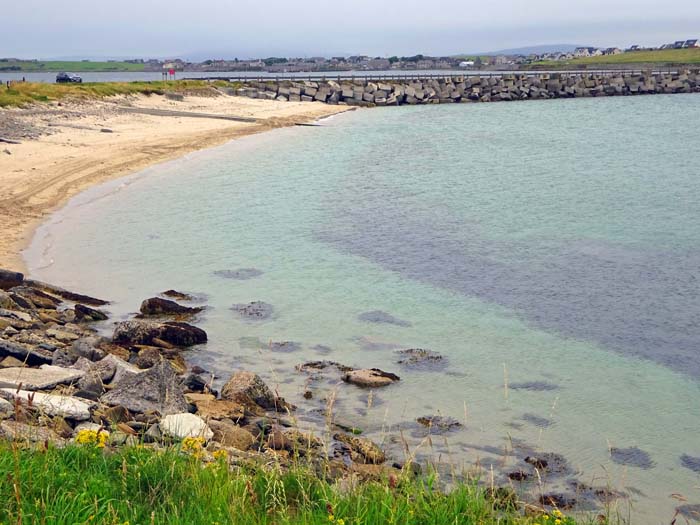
230 435
362 450
51 404
370 378
144 333
157 389
251 391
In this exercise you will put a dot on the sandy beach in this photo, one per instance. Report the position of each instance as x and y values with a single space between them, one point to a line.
66 148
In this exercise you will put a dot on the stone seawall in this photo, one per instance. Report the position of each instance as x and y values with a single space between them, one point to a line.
477 88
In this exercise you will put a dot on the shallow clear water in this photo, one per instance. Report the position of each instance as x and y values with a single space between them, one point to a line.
555 242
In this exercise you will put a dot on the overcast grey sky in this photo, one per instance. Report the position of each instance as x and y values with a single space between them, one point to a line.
246 28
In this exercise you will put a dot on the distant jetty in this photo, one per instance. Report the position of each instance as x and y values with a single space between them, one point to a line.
473 88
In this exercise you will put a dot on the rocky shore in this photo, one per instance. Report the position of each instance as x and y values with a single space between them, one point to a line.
61 381
486 88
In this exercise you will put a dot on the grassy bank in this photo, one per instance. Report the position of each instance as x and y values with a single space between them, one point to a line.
659 57
85 484
23 93
76 66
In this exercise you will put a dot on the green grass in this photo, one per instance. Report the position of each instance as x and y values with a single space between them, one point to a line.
24 93
659 57
71 66
138 485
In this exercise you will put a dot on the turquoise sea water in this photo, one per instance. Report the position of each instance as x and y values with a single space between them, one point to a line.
549 250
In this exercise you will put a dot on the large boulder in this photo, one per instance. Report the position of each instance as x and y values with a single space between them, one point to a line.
9 279
157 389
370 378
250 390
185 425
159 306
145 332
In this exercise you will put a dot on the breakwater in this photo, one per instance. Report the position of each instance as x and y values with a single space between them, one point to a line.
472 88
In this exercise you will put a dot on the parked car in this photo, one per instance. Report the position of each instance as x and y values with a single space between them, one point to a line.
67 77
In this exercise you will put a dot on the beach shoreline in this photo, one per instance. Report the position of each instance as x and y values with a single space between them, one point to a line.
75 145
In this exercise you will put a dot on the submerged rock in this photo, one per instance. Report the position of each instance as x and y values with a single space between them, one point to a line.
632 456
370 378
144 333
420 358
241 274
255 311
157 389
559 501
158 306
177 295
439 423
284 346
380 317
538 421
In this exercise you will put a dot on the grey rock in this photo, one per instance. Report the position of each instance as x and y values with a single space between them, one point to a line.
157 389
249 390
44 378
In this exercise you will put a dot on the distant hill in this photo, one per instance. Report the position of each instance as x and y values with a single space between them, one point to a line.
536 50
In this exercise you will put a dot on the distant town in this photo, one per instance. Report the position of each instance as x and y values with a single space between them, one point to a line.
362 62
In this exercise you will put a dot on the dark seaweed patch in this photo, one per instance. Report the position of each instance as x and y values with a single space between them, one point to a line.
380 317
691 462
242 274
632 457
535 386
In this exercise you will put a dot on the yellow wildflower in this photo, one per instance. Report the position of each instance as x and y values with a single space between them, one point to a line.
92 437
341 521
192 444
557 513
545 517
220 454
557 521
331 517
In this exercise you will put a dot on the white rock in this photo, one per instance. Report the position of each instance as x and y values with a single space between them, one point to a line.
46 377
185 425
50 404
